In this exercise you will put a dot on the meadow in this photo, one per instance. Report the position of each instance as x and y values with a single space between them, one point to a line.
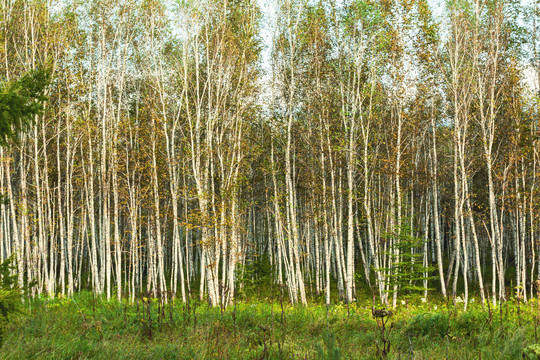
90 327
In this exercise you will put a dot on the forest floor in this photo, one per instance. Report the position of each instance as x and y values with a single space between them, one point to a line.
87 327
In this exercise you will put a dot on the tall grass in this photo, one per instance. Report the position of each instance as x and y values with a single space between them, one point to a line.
88 327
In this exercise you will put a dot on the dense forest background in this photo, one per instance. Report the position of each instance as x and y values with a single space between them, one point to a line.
334 148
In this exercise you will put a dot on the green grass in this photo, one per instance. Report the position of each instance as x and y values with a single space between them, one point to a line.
91 328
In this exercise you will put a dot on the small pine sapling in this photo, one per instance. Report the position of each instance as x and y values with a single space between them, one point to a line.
10 294
407 270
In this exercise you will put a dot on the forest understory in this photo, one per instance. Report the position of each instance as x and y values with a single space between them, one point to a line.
267 326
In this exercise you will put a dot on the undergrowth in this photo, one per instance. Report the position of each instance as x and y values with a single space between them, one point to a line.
89 327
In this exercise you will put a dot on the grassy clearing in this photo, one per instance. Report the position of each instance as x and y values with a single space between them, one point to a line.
89 327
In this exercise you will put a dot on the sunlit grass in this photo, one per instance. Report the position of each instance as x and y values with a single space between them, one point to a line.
90 327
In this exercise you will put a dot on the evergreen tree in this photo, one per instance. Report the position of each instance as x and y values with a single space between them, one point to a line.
408 271
20 102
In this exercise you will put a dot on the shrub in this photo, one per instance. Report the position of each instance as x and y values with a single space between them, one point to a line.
532 352
471 322
427 324
10 294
